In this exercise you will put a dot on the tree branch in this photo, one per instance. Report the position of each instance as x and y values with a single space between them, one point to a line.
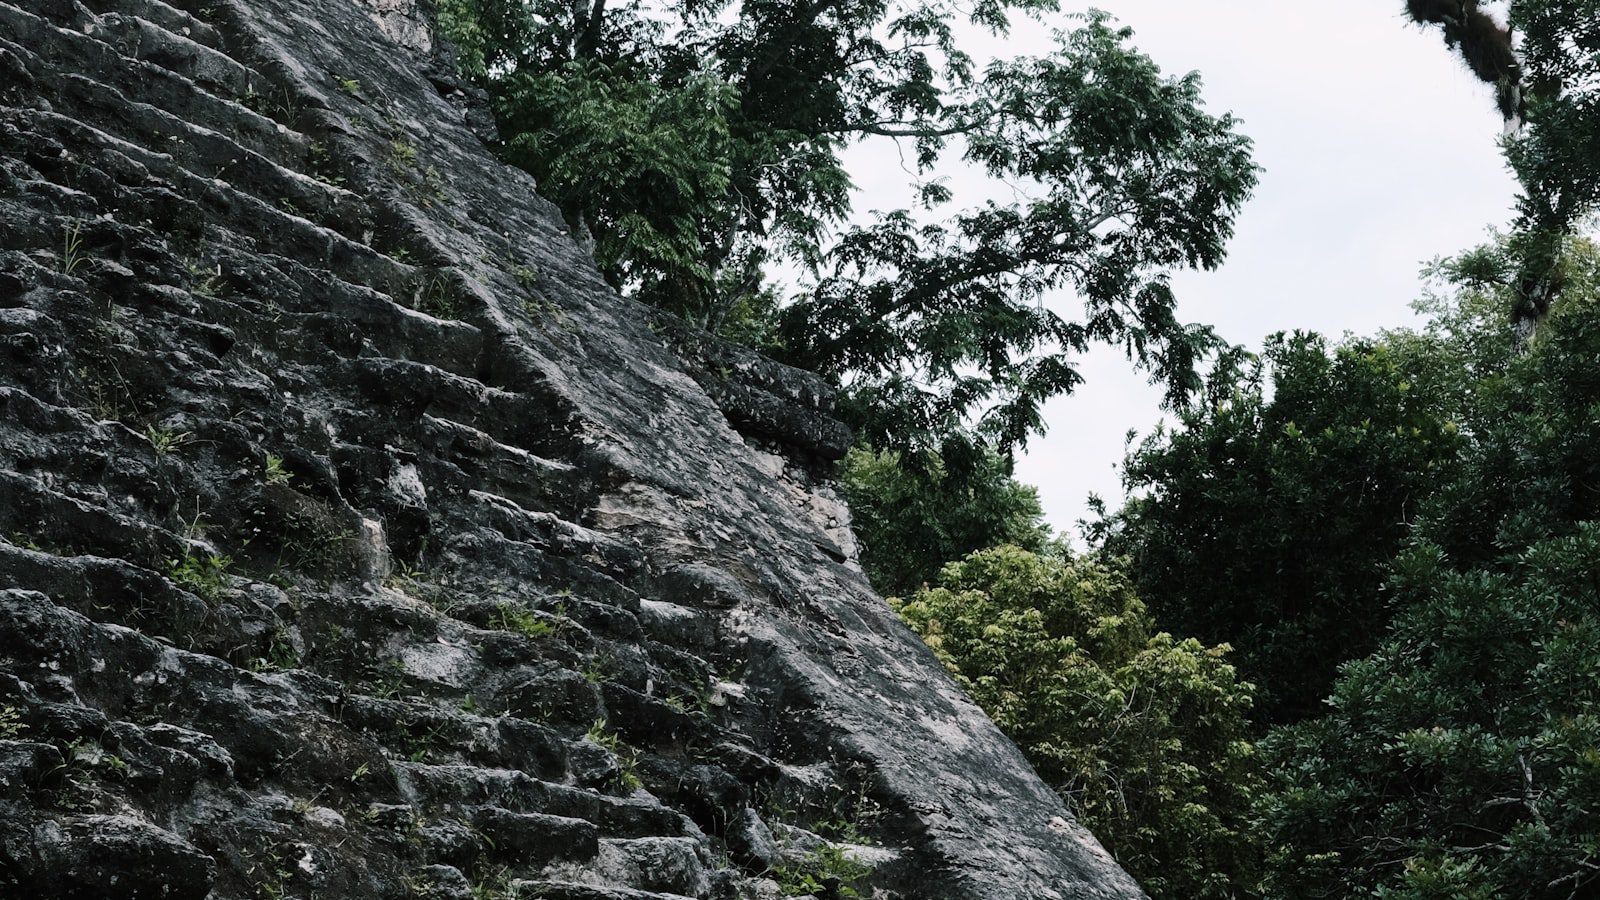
885 129
589 39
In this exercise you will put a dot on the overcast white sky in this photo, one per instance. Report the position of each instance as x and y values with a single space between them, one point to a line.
1379 153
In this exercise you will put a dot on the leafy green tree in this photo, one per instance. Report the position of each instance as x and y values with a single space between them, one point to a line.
935 323
1460 759
597 136
1144 734
700 145
1266 517
1466 341
1557 156
1532 466
915 512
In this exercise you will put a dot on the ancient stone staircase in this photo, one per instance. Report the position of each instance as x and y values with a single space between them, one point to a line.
357 541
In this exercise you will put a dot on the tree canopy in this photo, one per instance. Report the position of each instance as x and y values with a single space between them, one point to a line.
699 147
1266 516
914 513
1459 759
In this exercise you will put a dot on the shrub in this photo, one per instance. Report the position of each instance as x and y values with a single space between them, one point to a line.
1143 733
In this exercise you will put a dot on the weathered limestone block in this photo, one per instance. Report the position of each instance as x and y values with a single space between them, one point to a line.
356 540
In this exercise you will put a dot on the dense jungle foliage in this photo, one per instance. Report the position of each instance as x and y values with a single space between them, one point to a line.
1344 637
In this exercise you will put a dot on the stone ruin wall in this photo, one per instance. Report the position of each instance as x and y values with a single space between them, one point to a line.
356 541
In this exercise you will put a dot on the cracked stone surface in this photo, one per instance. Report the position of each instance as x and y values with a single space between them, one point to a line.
357 541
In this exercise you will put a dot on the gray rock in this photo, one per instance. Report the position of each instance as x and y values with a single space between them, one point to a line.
666 865
106 856
592 765
439 882
334 477
752 840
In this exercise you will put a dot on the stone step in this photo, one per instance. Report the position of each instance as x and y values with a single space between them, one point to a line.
534 840
676 625
679 696
147 41
594 599
518 420
208 153
32 511
157 87
171 18
109 856
520 792
464 639
497 742
106 49
248 215
227 206
109 590
490 842
672 866
616 557
572 890
393 329
511 477
261 721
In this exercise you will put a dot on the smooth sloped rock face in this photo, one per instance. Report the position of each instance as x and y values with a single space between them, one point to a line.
357 541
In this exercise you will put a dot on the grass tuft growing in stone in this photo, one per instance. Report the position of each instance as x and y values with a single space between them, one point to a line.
166 440
627 757
11 724
72 254
275 472
203 574
827 872
510 617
